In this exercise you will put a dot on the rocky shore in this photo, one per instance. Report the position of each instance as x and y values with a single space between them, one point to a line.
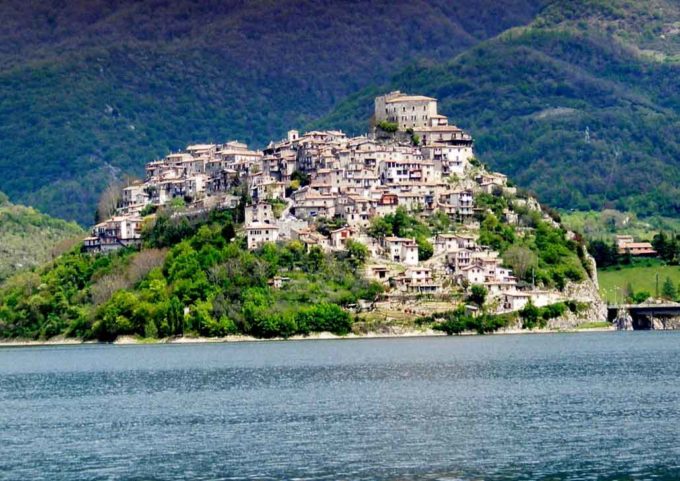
396 333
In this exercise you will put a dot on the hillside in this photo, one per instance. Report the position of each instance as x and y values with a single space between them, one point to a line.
582 106
276 249
197 278
29 238
96 89
148 292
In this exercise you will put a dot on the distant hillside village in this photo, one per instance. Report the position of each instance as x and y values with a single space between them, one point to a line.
413 160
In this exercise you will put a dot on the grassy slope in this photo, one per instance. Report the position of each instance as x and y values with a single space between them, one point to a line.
609 223
641 278
95 89
529 96
28 238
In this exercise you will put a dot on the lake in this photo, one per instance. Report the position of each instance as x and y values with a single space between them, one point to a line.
586 406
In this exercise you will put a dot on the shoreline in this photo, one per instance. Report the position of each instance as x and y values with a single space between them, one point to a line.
321 336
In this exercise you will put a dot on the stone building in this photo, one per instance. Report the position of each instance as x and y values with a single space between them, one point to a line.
407 111
259 234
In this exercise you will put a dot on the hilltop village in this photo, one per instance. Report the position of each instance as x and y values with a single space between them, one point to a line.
325 189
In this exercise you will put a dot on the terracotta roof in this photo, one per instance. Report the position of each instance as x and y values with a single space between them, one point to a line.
637 245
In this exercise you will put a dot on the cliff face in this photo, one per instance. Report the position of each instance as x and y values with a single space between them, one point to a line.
665 323
586 292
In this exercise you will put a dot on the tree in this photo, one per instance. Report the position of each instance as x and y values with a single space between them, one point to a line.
640 297
425 249
494 234
228 231
357 253
379 228
667 247
109 201
325 225
530 315
148 210
603 252
668 290
324 317
315 259
175 316
302 178
388 127
439 222
477 294
521 260
455 322
200 318
178 203
400 221
660 244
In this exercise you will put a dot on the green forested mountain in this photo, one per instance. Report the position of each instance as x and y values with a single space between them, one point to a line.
91 90
29 238
582 106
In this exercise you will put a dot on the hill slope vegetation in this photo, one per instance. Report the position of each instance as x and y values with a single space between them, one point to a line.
29 238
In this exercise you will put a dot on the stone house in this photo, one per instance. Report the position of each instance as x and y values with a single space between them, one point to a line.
258 234
458 202
115 233
625 244
378 273
473 274
259 213
402 250
407 111
135 195
451 242
417 280
339 237
458 258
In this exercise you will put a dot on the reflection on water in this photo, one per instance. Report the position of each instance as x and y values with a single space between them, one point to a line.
600 406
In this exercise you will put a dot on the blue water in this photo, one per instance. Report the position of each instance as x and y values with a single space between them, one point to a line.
528 407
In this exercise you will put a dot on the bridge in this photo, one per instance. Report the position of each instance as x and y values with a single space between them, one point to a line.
648 316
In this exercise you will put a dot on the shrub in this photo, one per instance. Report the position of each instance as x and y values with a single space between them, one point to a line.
389 127
477 294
